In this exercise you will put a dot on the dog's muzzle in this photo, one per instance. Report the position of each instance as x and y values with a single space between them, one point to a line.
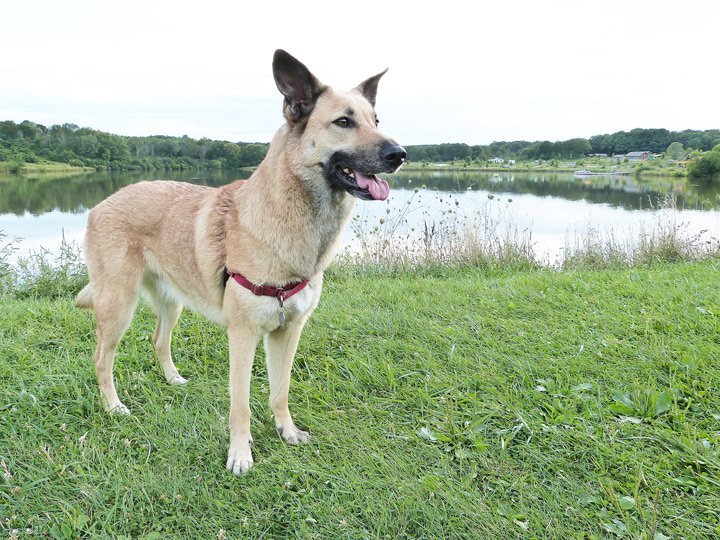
358 175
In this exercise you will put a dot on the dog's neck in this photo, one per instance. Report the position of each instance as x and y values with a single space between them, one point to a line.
298 218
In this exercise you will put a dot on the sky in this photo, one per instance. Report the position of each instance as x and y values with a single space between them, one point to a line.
471 71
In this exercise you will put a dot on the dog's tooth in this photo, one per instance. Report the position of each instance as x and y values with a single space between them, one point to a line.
346 170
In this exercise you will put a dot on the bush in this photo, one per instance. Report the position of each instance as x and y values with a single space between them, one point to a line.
42 273
707 166
16 167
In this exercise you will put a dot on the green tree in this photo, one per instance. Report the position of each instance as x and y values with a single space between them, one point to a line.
87 146
675 150
252 154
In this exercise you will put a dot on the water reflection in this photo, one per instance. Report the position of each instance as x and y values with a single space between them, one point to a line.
77 193
549 207
630 193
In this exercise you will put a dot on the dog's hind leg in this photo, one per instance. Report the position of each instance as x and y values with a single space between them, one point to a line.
114 304
168 312
280 347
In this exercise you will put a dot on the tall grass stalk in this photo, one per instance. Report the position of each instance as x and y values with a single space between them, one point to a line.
42 272
480 239
668 239
486 239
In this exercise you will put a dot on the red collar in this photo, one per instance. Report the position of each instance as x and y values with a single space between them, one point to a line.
281 293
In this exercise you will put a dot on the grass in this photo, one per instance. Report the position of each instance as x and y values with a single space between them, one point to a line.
653 167
459 401
483 238
41 167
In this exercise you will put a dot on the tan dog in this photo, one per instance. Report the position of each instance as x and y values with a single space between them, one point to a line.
274 233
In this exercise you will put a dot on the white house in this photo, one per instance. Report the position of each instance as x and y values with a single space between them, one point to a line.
497 160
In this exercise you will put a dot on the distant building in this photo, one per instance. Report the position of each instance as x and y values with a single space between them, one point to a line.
511 161
638 156
497 160
598 155
682 163
619 157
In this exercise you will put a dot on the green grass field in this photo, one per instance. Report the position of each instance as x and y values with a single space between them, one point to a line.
444 403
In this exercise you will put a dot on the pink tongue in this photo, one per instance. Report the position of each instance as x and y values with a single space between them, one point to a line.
377 187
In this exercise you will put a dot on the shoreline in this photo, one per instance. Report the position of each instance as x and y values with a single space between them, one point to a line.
431 168
47 168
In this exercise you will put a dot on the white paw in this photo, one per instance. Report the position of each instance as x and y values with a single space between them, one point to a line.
294 435
240 461
177 379
120 408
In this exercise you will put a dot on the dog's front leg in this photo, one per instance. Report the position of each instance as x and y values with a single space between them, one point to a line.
242 341
280 347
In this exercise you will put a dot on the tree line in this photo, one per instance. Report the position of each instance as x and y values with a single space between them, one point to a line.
656 141
28 142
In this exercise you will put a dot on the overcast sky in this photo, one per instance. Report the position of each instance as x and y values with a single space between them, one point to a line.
472 71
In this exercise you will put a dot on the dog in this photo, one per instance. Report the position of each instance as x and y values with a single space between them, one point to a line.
249 255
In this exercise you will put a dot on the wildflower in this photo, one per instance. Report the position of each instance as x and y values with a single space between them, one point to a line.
221 534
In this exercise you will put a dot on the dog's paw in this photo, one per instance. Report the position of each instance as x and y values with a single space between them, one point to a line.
240 458
120 408
177 379
239 462
294 435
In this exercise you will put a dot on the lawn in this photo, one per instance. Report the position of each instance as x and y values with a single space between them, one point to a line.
444 403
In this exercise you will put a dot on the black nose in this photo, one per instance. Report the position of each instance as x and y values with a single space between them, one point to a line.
394 154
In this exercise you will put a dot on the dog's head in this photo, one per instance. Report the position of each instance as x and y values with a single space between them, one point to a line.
337 131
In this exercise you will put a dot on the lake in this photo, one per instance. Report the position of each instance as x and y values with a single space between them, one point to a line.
550 210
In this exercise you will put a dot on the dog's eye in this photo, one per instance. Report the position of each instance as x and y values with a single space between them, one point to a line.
377 121
343 122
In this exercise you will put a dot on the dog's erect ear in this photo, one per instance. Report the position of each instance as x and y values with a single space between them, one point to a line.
368 88
300 87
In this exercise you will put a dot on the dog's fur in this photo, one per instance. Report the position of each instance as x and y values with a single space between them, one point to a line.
280 226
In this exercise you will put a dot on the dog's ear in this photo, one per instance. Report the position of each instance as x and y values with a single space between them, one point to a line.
369 87
300 87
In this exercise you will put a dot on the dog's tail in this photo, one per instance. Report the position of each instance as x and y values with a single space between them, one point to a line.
84 298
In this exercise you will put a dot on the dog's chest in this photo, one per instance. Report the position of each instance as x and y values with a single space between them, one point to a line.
270 316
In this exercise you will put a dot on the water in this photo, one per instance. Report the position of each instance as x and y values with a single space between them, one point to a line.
548 209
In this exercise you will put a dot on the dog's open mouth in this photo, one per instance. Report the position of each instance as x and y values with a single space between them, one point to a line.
363 186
